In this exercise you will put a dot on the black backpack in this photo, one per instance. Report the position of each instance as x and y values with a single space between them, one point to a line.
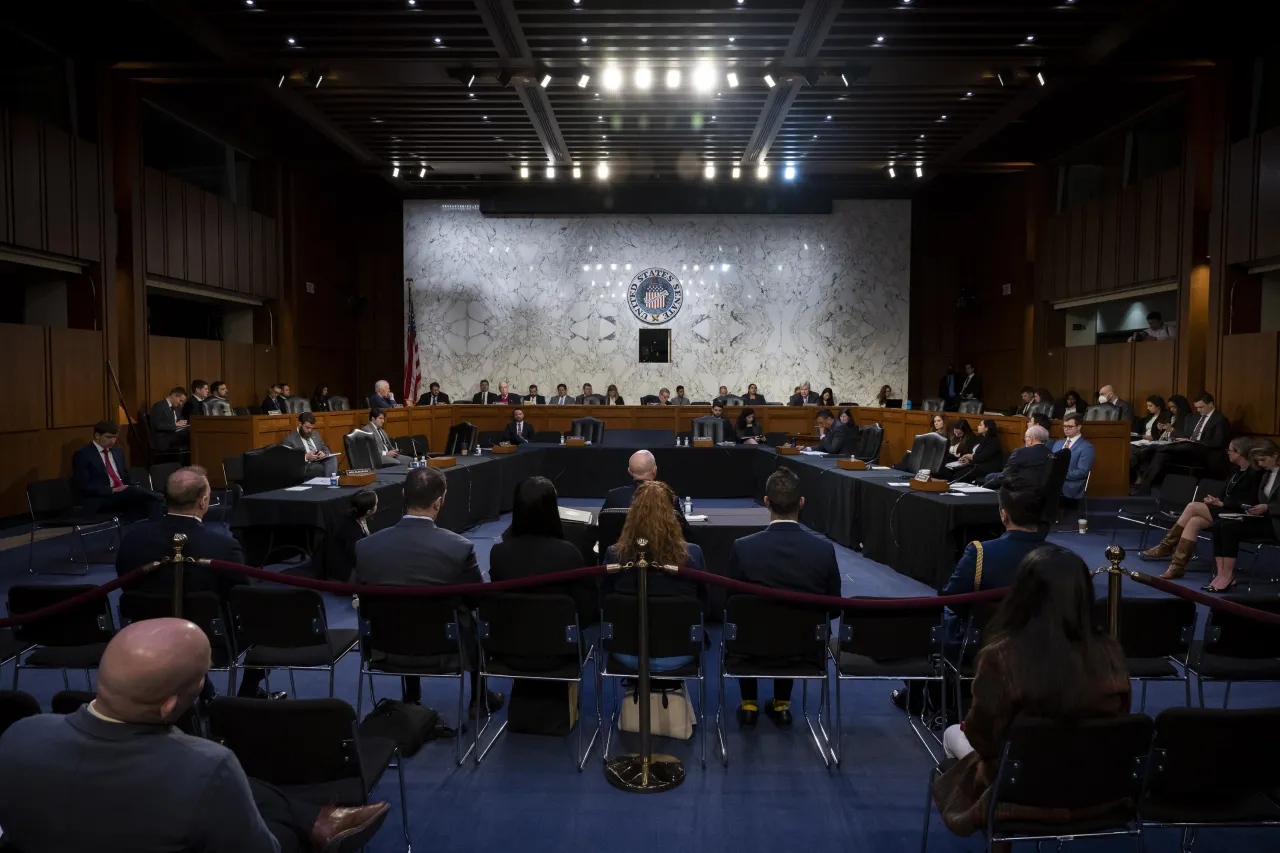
409 725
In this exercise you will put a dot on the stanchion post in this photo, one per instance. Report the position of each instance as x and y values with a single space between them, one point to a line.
179 542
1115 576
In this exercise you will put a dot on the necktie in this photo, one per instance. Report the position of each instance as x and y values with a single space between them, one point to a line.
311 448
111 472
519 430
1195 435
1267 486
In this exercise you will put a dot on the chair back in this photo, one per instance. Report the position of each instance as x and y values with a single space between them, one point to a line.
140 476
675 625
16 705
461 436
1215 755
289 742
709 427
528 625
609 524
361 449
1055 476
593 400
1076 765
1041 408
546 436
1152 627
928 450
84 625
203 609
297 404
272 467
649 400
1102 412
1178 490
161 473
932 404
408 626
1217 488
244 411
233 468
339 404
218 408
49 498
870 442
592 429
1229 635
971 407
69 701
278 617
421 444
890 635
757 627
775 438
490 437
144 421
733 400
404 444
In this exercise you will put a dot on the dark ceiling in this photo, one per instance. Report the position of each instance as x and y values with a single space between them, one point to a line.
945 85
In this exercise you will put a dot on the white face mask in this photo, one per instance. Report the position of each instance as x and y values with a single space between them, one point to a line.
1102 398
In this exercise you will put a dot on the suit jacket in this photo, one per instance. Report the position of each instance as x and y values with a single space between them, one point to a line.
970 387
379 402
798 400
1272 500
385 444
509 434
1000 560
193 407
988 456
536 399
153 540
946 383
660 583
512 400
342 560
679 401
840 439
294 440
441 400
786 556
563 401
415 552
179 792
748 400
484 398
163 418
1082 454
1126 411
1241 489
1215 433
621 498
89 478
526 556
1028 463
274 406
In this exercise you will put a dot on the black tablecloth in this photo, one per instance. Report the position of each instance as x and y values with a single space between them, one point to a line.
697 472
832 503
921 534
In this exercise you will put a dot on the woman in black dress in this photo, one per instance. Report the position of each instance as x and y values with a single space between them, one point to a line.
320 398
352 529
985 457
749 431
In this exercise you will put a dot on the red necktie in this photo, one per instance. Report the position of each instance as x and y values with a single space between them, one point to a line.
111 472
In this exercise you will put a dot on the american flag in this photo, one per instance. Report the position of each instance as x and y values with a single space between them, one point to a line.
412 372
655 296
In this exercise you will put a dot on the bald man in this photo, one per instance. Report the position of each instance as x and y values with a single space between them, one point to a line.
117 777
642 467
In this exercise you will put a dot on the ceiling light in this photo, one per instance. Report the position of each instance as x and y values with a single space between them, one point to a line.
828 118
919 172
892 173
944 118
422 173
248 2
879 39
471 94
922 136
736 173
413 2
762 172
673 78
291 40
524 171
602 171
471 80
584 39
545 81
709 172
612 78
733 80
644 78
1040 77
844 80
577 172
1030 39
576 2
740 2
731 39
551 173
320 80
789 173
583 81
281 83
768 81
704 77
968 94
438 40
395 172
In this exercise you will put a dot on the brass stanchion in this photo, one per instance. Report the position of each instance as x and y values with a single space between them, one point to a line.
179 542
1115 575
643 772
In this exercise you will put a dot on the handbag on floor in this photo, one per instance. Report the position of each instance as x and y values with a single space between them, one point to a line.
542 707
409 725
670 713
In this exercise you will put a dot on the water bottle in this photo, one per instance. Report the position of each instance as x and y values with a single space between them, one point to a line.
677 441
906 404
562 438
688 507
333 480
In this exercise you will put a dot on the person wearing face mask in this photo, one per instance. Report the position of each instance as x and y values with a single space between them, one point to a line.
1124 409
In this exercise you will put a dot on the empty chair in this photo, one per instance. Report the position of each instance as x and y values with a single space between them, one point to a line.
161 473
339 404
218 408
16 705
51 504
1176 491
1055 475
421 444
297 404
244 411
69 701
928 452
546 436
462 437
1155 633
361 449
650 400
609 526
1102 412
490 437
156 450
932 404
592 429
404 444
732 400
709 427
593 400
869 444
287 629
272 467
72 639
1237 648
1044 407
971 407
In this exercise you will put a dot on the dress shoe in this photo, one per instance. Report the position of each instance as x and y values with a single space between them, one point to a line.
1209 587
261 693
341 830
495 702
747 717
899 698
781 716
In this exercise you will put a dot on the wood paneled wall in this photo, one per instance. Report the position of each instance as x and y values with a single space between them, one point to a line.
192 235
1135 370
177 361
1247 390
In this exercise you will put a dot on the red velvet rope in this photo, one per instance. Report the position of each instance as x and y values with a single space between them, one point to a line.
835 602
75 601
461 590
1212 602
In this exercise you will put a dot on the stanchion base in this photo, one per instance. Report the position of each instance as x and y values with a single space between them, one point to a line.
627 772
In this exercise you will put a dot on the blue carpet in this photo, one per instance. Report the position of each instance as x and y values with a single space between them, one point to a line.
775 794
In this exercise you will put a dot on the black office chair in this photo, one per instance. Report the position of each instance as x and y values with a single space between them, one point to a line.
361 449
73 639
272 467
1236 648
461 436
1102 412
927 451
1055 475
592 429
709 427
421 444
593 400
245 411
1041 409
1176 491
281 628
932 404
971 407
1156 634
650 400
203 609
51 504
160 474
870 443
16 705
731 400
296 404
218 408
609 524
339 404
490 437
545 436
157 451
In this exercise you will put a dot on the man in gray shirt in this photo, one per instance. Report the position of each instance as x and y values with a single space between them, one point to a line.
117 777
679 399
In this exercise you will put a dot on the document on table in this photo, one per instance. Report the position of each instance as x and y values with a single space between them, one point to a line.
695 518
955 464
968 488
881 468
317 481
807 452
905 485
299 488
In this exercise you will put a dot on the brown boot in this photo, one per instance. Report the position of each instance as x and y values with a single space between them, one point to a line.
339 830
1177 565
1166 546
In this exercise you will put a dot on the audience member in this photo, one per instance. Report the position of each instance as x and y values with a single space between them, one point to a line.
1044 658
1147 425
984 457
752 397
1042 420
961 440
835 436
321 462
218 391
1241 490
534 544
1072 404
1178 421
101 483
434 396
352 529
938 424
1082 454
804 397
584 397
1202 448
611 397
388 454
1172 423
1157 329
748 428
382 397
483 397
1124 410
729 434
680 399
949 386
195 402
186 494
1042 396
883 395
1027 462
1261 521
533 398
505 397
320 398
971 388
1027 396
562 397
782 556
273 403
116 775
168 428
517 431
285 390
827 398
416 552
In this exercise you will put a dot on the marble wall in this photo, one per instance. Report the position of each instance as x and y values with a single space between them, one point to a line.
768 299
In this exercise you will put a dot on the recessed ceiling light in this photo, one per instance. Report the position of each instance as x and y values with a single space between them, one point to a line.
731 39
828 118
732 79
291 40
922 136
438 40
584 39
644 78
413 2
892 173
524 171
919 172
879 39
545 81
762 172
709 172
471 94
248 2
395 172
944 118
789 173
704 77
736 173
602 171
583 81
1040 77
815 136
612 78
484 118
673 78
968 94
1031 38
551 172
768 81
577 173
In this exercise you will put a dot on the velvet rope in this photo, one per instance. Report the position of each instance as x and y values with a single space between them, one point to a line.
1211 601
835 602
73 602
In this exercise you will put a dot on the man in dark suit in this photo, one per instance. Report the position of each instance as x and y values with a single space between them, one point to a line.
518 432
433 397
562 397
505 397
971 387
1205 446
274 403
100 479
318 456
382 397
805 397
1027 462
186 494
483 397
195 402
642 467
388 453
782 556
168 428
117 775
586 392
949 388
415 552
730 432
837 437
1124 409
1026 399
533 397
722 396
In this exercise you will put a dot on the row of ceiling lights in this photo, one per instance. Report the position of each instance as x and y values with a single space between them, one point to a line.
603 171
